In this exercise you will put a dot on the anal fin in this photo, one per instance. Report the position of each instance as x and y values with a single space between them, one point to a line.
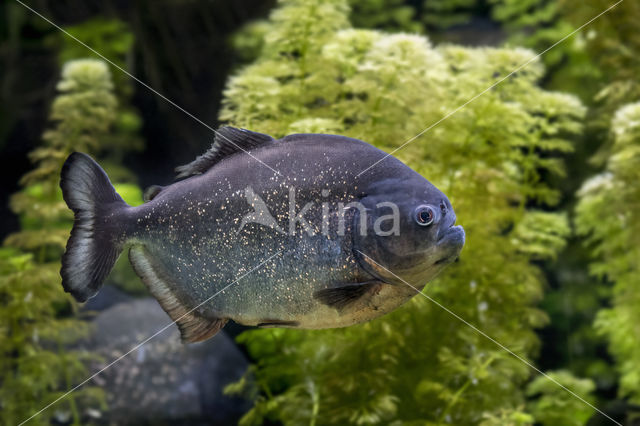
343 295
193 326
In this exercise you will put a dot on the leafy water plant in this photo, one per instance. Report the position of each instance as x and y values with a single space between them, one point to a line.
418 365
615 243
113 39
555 406
38 322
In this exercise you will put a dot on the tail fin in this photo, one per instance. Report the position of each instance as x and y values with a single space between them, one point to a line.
93 246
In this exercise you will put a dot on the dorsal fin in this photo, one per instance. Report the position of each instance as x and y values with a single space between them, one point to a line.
228 140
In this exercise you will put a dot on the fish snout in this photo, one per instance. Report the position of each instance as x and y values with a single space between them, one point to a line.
450 243
448 222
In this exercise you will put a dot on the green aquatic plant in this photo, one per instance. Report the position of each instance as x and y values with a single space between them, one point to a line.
113 39
39 320
599 64
38 317
551 405
615 243
419 364
440 15
387 15
37 326
82 115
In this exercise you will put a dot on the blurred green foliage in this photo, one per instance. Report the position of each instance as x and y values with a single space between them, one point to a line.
38 316
82 115
392 15
555 406
41 321
615 243
112 38
418 365
38 325
439 15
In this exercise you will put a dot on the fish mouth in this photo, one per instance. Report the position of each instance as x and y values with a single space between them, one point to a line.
454 231
450 242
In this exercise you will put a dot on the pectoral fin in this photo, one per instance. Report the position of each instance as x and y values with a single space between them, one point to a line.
344 295
193 326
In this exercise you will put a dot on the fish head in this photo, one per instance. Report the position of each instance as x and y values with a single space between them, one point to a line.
408 231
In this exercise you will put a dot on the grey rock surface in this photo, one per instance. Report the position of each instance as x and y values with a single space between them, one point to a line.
163 381
106 298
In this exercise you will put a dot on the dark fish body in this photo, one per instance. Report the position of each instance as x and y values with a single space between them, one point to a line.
236 240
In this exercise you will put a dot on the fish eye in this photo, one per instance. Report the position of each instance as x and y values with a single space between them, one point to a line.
425 215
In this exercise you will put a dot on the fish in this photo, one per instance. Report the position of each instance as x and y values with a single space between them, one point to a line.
266 232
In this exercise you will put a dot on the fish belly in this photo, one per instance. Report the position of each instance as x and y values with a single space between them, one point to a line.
271 280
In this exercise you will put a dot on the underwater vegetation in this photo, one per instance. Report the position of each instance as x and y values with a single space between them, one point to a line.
40 322
541 165
419 363
614 244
